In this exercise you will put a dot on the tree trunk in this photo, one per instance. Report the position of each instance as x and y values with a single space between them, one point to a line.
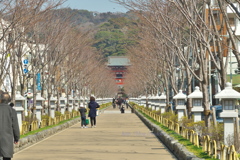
206 104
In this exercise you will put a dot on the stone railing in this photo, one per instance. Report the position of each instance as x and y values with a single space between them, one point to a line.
209 146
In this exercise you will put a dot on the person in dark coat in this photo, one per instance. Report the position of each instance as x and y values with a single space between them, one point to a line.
114 103
9 128
119 102
83 111
93 111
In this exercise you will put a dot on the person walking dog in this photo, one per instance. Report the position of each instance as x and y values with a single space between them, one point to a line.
93 111
9 128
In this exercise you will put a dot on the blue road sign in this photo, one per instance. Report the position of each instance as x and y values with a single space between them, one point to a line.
25 61
25 70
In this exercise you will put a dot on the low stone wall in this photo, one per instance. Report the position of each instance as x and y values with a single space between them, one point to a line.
173 145
32 139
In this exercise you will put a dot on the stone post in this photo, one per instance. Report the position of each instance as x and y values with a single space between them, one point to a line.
81 101
143 101
85 102
197 109
153 102
149 101
19 99
39 107
180 104
70 103
228 98
157 102
137 100
162 105
62 104
52 106
76 103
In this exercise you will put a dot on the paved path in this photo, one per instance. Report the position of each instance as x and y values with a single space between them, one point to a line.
116 137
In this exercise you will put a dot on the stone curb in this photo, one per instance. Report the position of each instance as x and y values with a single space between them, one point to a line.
32 139
173 145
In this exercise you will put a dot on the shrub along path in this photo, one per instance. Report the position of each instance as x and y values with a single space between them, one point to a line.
117 137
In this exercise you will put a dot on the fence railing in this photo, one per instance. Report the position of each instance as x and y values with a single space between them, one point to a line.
34 125
209 146
25 128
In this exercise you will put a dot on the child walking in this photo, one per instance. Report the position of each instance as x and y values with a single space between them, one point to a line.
83 111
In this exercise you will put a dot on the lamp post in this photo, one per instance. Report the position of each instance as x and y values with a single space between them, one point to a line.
39 107
228 98
70 103
62 104
52 106
197 109
162 105
180 103
19 99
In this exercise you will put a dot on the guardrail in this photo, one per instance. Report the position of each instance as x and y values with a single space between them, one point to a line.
209 146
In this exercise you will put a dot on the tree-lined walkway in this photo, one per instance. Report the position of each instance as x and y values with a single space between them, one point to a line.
117 137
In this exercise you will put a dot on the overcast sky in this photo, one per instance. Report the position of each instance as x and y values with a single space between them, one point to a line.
95 5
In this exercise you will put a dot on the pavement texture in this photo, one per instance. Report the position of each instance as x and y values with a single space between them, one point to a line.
116 137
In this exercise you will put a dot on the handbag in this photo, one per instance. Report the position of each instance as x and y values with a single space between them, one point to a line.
87 121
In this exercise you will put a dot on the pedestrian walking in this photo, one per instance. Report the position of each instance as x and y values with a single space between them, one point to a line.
119 102
9 128
114 103
127 103
122 109
83 111
93 111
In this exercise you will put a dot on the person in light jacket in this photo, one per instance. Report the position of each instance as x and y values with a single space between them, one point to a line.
93 111
9 128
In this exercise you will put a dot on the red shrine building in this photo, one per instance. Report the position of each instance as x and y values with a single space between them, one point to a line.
118 65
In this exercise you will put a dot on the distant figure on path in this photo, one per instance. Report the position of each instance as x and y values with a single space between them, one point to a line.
119 102
114 103
9 129
83 111
93 111
122 109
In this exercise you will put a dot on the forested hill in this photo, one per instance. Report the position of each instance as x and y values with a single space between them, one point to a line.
84 16
114 32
